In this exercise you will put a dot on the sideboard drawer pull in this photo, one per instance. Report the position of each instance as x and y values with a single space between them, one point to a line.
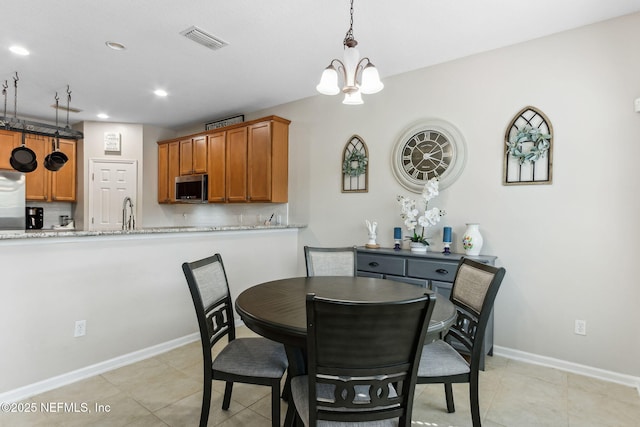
373 264
442 271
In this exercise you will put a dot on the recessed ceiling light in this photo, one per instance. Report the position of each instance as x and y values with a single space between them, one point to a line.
19 50
103 116
160 92
116 45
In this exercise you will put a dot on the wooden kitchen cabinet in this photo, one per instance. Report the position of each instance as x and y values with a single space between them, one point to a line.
216 167
8 141
268 162
258 162
45 185
168 170
245 162
193 155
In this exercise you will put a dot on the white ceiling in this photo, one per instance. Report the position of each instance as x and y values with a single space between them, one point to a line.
276 53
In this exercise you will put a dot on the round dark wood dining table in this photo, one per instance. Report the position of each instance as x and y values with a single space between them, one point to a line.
277 310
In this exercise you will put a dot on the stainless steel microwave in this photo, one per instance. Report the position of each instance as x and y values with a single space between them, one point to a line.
192 188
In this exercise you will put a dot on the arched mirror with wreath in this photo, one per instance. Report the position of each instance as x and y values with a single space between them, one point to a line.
355 166
528 155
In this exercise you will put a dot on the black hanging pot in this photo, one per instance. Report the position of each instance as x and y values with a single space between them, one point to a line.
56 159
23 159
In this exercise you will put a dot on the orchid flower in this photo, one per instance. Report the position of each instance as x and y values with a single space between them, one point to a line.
411 214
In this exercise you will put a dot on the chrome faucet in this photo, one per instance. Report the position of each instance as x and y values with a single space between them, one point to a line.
128 222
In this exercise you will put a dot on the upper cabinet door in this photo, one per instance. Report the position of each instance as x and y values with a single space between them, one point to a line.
199 161
174 169
259 162
168 170
237 165
163 173
37 182
279 161
216 167
193 155
8 141
269 162
186 157
63 182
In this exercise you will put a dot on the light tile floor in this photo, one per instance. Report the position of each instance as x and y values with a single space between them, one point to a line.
166 391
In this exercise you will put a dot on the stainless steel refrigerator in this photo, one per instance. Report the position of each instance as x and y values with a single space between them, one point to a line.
12 202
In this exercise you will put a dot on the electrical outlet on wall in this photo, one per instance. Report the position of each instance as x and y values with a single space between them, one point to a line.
80 329
581 327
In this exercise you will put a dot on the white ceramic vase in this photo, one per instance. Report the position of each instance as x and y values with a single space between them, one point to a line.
472 239
418 247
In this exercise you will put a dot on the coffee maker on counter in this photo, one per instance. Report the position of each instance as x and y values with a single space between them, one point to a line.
34 218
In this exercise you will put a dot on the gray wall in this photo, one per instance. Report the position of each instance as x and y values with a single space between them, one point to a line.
569 248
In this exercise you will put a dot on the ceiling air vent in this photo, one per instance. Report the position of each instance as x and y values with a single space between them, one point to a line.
207 40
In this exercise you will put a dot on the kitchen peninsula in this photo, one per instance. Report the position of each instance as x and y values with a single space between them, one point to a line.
32 234
127 286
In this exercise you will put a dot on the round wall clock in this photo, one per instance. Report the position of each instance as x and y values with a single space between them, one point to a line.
431 148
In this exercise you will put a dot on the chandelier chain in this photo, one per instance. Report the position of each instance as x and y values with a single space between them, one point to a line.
348 38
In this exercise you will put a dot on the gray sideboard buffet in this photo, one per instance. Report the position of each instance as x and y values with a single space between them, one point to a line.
433 270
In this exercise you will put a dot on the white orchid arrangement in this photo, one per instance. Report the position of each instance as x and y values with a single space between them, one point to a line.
411 214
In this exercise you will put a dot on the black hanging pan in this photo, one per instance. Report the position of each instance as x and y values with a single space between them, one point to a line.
56 159
23 159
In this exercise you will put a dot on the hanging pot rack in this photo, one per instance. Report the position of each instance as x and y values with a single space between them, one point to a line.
33 127
37 128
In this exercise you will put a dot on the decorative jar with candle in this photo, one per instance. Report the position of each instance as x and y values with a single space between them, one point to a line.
397 237
446 239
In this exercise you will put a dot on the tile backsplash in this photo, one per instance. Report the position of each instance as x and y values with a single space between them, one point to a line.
212 214
52 212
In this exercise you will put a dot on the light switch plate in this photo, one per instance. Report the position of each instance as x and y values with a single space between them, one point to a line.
637 105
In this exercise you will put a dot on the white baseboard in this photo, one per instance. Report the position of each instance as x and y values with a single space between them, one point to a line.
127 359
563 365
93 370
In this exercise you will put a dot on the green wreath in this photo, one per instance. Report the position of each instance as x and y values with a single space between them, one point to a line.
540 147
359 159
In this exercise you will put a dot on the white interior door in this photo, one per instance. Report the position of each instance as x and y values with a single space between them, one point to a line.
111 181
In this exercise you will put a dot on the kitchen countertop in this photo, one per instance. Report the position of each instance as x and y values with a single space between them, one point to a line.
31 234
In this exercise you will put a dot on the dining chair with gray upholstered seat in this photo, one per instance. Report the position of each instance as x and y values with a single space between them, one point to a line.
474 291
245 360
362 361
330 261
